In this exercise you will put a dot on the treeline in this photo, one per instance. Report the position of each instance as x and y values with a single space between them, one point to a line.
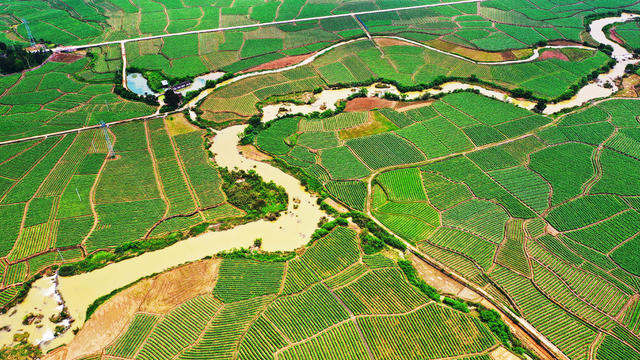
15 58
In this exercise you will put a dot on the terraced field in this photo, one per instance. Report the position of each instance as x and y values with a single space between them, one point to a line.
63 193
548 212
541 213
310 307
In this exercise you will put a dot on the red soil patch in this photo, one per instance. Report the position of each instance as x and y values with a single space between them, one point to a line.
280 63
65 57
508 55
614 36
553 54
368 103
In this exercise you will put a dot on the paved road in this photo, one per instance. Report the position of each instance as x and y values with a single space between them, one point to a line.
78 47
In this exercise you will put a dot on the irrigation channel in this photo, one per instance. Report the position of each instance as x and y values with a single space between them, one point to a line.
292 230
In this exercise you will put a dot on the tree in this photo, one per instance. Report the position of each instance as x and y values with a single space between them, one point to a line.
171 98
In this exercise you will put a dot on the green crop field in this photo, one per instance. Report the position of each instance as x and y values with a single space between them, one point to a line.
63 193
325 302
538 214
468 209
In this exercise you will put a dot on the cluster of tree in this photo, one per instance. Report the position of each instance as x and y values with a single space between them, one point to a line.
21 350
15 58
172 99
370 243
325 228
249 192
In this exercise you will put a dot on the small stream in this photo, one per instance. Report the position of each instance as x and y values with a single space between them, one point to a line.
292 230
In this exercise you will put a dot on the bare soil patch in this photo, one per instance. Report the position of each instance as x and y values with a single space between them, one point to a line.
553 54
549 229
435 278
630 87
155 295
279 63
368 103
67 58
614 36
174 287
502 354
382 42
406 106
341 209
251 152
108 321
508 55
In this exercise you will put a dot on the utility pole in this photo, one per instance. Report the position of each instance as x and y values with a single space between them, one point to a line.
104 127
29 35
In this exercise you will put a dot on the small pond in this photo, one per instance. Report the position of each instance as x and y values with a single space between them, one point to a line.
138 84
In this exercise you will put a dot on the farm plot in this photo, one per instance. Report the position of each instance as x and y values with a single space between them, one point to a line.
342 164
383 150
237 279
50 99
423 329
332 253
60 180
480 217
308 319
566 167
479 250
382 291
402 184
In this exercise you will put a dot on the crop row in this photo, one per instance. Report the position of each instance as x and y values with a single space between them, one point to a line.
363 295
403 184
332 253
129 342
226 328
179 328
430 332
240 279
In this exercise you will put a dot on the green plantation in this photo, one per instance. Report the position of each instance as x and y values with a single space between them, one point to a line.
64 193
545 212
437 198
54 98
323 303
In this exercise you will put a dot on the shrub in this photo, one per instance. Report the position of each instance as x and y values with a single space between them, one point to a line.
456 304
414 279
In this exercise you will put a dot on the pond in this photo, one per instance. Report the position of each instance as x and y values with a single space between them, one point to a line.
138 84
